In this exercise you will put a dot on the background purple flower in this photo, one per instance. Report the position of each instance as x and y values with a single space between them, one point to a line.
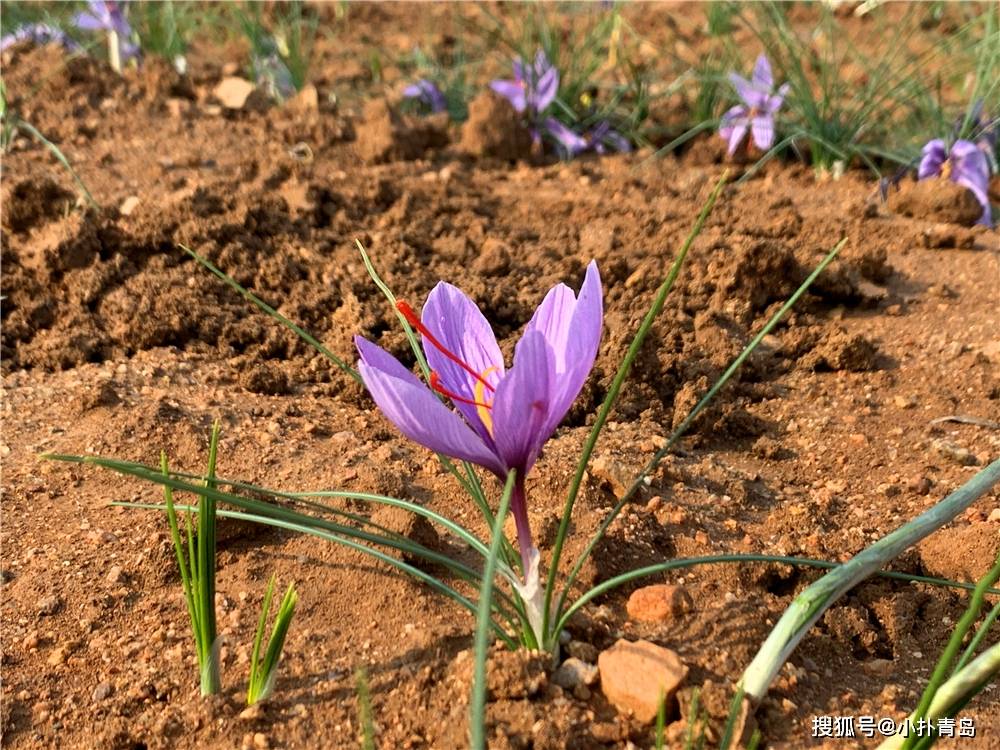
39 33
756 114
107 15
965 165
428 94
533 88
600 138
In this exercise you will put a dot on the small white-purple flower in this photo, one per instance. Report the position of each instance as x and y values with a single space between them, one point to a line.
965 164
41 34
428 94
756 114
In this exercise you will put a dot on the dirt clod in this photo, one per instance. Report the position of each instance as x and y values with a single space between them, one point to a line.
494 129
937 199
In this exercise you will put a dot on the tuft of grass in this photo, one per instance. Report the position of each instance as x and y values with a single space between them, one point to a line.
279 58
166 27
196 561
263 673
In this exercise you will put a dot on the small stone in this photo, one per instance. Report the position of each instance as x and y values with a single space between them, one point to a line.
919 484
49 605
58 656
128 205
994 516
102 691
233 92
613 473
954 452
582 650
904 402
573 673
252 713
261 741
636 676
659 603
116 575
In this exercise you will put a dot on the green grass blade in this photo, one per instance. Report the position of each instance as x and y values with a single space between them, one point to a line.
944 664
61 157
477 703
612 397
253 689
414 572
810 605
977 639
282 621
364 710
954 694
210 681
262 305
181 553
686 423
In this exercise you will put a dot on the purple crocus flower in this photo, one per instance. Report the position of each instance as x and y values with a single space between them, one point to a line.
109 16
41 34
502 417
600 139
534 86
428 94
965 165
756 114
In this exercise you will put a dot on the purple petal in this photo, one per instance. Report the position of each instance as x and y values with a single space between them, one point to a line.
763 131
519 73
523 402
617 141
736 135
762 77
417 412
546 88
571 143
748 92
934 155
775 101
971 170
572 328
512 91
456 321
88 22
730 119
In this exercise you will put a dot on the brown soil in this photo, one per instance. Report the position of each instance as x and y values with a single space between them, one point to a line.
115 343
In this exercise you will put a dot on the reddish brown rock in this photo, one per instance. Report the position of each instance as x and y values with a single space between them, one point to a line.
659 603
636 676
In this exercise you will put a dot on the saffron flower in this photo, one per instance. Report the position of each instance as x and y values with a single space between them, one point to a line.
600 139
533 88
502 417
40 34
756 114
427 94
109 16
965 164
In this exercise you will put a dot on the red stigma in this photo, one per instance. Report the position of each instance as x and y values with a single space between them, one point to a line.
436 386
411 318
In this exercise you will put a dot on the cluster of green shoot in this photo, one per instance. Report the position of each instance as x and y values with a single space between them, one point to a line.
498 609
196 562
